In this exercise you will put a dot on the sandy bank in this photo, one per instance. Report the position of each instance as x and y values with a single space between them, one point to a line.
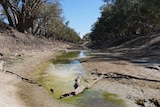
131 90
18 93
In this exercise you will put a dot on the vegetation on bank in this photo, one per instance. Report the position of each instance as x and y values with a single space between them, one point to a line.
125 18
39 17
120 19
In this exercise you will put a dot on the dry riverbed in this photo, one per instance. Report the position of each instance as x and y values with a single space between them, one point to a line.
19 93
135 92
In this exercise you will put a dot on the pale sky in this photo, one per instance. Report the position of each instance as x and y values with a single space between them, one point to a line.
81 14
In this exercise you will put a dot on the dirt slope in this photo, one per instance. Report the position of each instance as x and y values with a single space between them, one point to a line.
22 53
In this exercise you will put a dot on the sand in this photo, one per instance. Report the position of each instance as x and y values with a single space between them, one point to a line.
130 90
17 93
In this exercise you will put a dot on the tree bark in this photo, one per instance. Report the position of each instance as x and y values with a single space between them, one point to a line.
5 7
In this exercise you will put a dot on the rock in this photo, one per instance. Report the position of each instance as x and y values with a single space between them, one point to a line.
1 55
155 101
140 102
52 90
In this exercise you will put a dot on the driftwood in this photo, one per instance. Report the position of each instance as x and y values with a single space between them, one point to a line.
154 67
79 88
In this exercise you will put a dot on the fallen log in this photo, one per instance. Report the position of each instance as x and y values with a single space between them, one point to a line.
89 85
80 88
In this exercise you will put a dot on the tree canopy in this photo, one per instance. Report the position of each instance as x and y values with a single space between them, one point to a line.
40 17
125 18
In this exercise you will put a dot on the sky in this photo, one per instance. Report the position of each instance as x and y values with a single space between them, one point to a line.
81 14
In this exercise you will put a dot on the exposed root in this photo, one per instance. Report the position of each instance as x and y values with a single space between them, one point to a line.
23 79
123 76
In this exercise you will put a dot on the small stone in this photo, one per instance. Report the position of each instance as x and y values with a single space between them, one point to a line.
155 101
52 90
1 54
140 102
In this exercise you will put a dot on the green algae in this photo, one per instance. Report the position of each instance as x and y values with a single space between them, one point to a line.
113 98
65 58
50 81
93 98
89 98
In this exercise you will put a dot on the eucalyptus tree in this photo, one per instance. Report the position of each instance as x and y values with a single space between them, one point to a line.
40 17
21 14
49 20
125 18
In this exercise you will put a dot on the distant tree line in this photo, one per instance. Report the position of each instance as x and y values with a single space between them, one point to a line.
40 17
126 17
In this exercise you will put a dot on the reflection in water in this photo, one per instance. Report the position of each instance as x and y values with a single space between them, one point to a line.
81 54
73 69
60 76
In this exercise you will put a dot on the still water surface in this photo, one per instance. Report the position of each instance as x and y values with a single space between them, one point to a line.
60 75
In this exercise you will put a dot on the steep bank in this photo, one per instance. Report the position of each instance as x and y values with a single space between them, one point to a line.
23 53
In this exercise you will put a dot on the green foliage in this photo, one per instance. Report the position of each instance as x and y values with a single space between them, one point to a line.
86 37
40 17
125 18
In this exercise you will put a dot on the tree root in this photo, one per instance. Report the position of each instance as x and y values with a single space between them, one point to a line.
23 79
122 76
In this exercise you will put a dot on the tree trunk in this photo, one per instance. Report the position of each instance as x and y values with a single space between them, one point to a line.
5 7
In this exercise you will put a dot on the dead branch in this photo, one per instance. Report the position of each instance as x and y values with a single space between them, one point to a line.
123 76
79 88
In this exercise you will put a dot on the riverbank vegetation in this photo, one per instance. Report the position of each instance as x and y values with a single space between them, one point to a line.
126 19
41 17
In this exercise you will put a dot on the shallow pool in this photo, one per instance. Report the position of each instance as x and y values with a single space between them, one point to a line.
58 77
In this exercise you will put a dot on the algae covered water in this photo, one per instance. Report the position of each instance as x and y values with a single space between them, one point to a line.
58 77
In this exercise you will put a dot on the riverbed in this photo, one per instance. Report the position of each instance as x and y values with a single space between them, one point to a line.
58 75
